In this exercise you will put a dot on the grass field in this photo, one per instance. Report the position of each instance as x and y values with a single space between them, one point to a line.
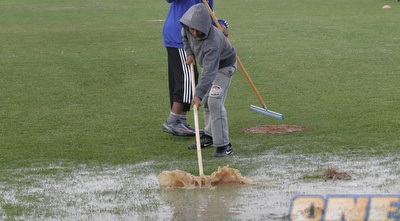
84 94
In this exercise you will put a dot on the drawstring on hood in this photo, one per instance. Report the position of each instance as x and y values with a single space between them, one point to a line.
197 17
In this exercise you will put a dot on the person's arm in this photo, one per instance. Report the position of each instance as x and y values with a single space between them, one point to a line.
210 65
185 41
224 25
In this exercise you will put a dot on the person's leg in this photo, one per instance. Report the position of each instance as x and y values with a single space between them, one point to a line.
218 115
206 114
216 104
180 93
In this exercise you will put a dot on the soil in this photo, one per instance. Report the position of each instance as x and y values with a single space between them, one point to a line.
274 129
333 174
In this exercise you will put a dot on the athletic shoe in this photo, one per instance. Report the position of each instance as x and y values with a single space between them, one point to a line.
201 132
178 129
223 151
205 141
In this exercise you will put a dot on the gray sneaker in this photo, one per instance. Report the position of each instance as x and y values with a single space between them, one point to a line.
178 129
223 151
205 141
201 132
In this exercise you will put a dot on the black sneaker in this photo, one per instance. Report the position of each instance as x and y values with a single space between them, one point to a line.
223 151
205 141
178 129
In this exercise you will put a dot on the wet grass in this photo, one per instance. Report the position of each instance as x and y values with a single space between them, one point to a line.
92 88
85 83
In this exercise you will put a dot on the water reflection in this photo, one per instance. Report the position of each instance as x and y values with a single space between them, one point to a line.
203 203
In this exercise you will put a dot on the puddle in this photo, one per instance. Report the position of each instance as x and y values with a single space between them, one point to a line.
282 177
131 192
83 193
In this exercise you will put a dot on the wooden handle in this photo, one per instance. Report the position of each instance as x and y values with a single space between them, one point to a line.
196 123
237 58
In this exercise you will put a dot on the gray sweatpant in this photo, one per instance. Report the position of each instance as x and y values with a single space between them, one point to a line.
216 121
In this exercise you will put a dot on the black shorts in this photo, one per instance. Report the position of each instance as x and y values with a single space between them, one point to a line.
180 88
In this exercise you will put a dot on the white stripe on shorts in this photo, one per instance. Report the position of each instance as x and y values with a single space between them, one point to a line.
187 95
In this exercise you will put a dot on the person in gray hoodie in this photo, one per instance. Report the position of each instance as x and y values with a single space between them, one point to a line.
208 46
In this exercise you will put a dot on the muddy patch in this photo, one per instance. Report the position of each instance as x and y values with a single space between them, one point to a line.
329 174
333 174
274 129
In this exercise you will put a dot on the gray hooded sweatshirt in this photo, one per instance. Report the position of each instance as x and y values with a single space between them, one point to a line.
212 51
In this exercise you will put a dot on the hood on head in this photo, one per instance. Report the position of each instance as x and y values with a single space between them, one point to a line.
197 17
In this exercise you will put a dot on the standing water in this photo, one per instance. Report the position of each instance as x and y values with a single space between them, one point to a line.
132 192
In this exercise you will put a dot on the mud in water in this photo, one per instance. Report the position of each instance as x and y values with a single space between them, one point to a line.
182 179
67 191
333 174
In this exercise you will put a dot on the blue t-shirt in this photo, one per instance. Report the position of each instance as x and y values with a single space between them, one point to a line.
172 27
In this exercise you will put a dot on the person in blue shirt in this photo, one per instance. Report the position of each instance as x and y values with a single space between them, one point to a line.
180 93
